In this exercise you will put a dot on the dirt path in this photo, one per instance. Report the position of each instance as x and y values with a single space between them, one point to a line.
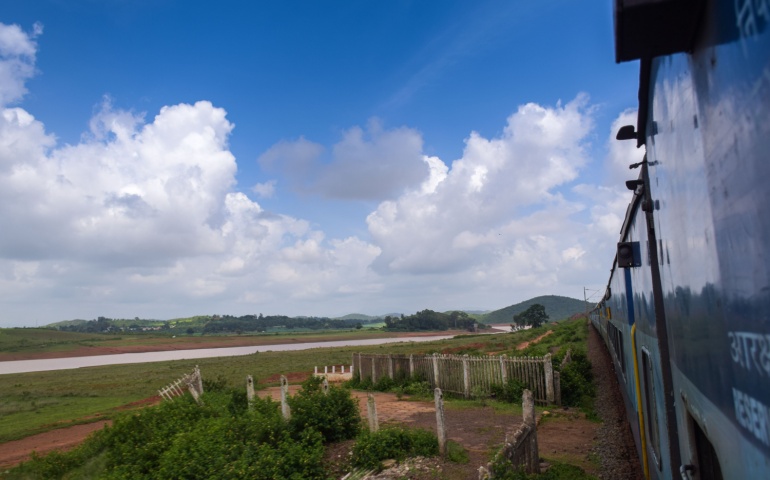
524 345
564 435
62 439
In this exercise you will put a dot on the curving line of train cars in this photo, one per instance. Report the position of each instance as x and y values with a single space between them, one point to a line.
686 312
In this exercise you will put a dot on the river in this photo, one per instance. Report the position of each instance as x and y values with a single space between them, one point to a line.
42 365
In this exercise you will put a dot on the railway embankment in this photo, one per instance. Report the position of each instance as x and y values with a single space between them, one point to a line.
614 446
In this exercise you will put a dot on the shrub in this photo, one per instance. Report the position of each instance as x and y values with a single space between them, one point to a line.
393 442
576 378
511 392
335 415
503 470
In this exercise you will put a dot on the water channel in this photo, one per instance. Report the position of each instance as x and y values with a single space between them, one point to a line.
42 365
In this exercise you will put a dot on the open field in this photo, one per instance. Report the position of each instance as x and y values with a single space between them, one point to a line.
36 402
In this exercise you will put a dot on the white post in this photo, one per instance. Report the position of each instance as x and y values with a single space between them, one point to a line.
250 389
548 371
285 409
528 414
466 377
435 371
438 397
372 411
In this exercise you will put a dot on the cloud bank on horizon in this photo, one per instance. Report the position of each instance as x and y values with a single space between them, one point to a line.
142 216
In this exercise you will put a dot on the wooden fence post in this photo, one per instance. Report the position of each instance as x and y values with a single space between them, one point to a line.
466 377
285 409
436 381
548 371
440 423
557 388
372 412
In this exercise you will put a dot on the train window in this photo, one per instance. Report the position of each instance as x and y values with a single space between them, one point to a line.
708 462
616 341
650 406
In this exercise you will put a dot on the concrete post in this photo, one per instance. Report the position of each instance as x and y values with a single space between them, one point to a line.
199 380
285 409
343 369
374 369
528 413
325 386
466 377
438 396
411 366
315 370
503 372
372 412
191 387
334 368
250 389
390 366
326 369
436 380
548 370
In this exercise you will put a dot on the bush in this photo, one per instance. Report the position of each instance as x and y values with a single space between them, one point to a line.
180 439
393 442
503 470
576 378
335 415
511 392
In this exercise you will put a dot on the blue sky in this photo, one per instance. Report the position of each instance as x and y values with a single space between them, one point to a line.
163 158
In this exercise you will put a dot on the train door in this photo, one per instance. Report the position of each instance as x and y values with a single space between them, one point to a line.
706 462
651 411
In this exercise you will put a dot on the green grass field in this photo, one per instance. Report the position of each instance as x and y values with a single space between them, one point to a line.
35 402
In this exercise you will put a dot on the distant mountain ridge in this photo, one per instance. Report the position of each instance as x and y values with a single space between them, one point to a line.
556 307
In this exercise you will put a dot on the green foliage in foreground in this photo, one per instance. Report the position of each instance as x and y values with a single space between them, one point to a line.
222 439
334 415
557 471
393 442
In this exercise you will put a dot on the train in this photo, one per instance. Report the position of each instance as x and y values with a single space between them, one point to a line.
686 311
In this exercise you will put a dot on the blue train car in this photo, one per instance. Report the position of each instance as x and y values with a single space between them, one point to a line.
686 313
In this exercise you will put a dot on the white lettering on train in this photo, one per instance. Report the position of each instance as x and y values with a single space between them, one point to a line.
751 351
752 415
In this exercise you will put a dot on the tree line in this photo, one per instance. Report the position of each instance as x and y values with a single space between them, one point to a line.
430 320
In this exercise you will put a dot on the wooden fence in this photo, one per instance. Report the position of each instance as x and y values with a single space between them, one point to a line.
463 374
193 382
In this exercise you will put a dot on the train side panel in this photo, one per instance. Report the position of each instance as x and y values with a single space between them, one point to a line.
708 151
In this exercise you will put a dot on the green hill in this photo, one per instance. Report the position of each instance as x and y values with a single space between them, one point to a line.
360 316
557 308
